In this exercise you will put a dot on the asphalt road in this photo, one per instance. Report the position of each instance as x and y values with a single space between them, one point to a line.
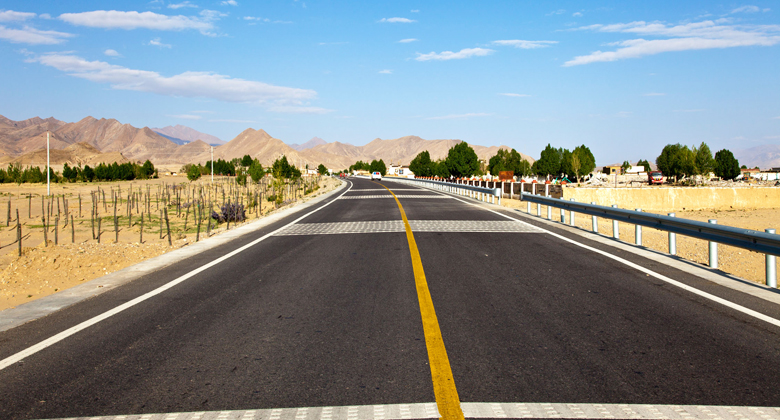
326 313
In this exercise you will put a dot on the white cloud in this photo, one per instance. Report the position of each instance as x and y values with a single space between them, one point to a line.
683 37
188 84
449 55
299 109
181 5
415 11
556 12
654 94
408 40
157 43
397 20
459 116
32 36
203 112
113 19
577 14
515 95
111 53
11 16
776 118
235 121
44 16
185 117
746 9
229 3
526 45
688 110
385 72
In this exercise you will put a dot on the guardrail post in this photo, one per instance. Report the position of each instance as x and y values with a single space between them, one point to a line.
771 267
538 210
713 249
638 233
549 212
571 215
595 221
615 227
546 190
501 193
529 207
563 216
672 240
533 189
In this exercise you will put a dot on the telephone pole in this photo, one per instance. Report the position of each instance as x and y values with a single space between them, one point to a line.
48 167
212 164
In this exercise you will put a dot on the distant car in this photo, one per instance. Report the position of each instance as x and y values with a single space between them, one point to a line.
376 175
655 177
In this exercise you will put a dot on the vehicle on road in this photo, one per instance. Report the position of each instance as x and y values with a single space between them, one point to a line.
655 177
376 175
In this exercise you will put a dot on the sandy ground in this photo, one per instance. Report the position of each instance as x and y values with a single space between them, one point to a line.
43 270
739 262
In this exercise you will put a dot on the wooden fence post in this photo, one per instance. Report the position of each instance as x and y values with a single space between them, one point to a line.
168 227
45 231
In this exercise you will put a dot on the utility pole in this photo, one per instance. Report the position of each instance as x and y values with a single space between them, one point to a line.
212 164
48 167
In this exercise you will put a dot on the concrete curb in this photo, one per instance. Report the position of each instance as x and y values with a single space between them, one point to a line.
39 308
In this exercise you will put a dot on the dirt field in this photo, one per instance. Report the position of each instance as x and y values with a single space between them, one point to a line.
78 257
739 262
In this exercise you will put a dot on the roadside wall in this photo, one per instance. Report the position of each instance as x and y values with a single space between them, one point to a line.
664 200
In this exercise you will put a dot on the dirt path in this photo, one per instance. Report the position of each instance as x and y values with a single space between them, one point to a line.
43 270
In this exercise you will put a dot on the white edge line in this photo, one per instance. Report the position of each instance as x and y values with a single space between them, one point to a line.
637 267
8 361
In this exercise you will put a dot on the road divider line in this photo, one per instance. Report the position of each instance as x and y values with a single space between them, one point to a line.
8 361
444 389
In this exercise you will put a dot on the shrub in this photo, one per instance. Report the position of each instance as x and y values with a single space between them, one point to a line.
230 212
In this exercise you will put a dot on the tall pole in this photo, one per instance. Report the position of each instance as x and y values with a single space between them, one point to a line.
212 164
48 168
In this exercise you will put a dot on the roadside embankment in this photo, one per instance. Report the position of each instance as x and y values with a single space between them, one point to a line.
675 199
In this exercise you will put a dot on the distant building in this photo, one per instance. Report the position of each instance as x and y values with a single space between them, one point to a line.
613 169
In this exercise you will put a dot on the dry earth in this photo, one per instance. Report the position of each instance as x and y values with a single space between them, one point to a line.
739 262
43 270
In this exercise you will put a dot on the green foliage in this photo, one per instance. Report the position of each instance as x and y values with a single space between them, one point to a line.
704 161
147 170
549 162
241 176
440 169
586 160
378 166
506 160
676 160
462 161
360 166
193 173
221 167
246 161
726 165
256 171
282 169
645 164
625 166
322 170
422 165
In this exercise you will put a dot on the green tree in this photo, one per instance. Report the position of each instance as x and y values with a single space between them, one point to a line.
704 161
378 166
586 159
549 162
322 170
506 160
422 165
282 168
676 160
440 169
645 164
241 176
246 161
147 170
625 166
726 165
193 173
462 160
256 171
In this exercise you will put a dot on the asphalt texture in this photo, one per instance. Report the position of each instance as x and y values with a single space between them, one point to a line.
334 320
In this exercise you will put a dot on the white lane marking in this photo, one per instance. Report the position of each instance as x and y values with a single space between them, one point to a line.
8 361
487 410
681 285
366 197
394 226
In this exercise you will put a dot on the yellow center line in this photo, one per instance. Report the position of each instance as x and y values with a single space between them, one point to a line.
443 382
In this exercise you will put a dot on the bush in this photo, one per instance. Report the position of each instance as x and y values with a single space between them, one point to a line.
230 212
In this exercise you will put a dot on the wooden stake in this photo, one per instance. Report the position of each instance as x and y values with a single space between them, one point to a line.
72 231
141 240
168 227
45 233
56 230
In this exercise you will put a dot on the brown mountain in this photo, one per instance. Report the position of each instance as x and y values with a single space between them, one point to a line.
315 141
74 154
186 135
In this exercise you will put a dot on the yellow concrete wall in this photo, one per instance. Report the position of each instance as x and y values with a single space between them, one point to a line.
660 200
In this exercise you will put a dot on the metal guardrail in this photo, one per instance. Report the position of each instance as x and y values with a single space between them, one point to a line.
480 193
763 242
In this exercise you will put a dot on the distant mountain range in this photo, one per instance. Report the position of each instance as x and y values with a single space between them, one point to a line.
766 156
181 135
108 140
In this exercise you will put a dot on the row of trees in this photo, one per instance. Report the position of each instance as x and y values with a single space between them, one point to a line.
374 166
461 161
680 161
572 164
102 172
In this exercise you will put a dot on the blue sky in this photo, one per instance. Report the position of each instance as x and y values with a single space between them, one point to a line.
624 78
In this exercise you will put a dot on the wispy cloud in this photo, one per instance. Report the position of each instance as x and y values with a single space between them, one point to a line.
397 20
111 53
188 84
32 36
263 20
460 116
157 43
776 118
688 110
385 72
181 5
203 112
690 36
746 9
185 116
235 121
515 95
408 40
415 11
11 16
113 19
577 14
449 55
654 94
556 12
299 109
526 45
228 3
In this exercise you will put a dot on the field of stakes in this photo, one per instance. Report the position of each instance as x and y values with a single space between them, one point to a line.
82 231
